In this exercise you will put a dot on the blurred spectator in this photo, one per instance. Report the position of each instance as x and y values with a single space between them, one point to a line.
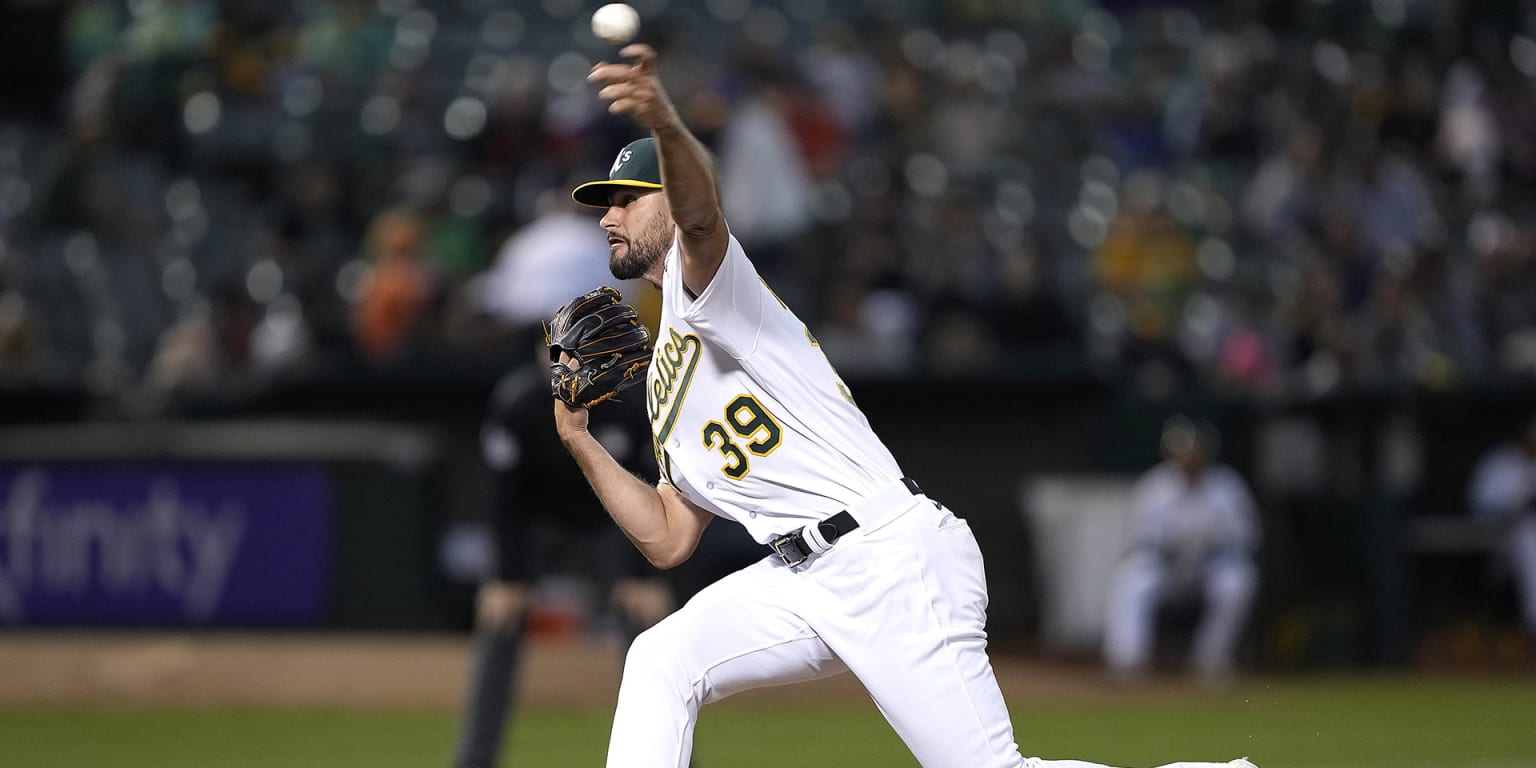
1025 314
559 255
1396 213
314 220
1282 192
22 354
188 355
1469 137
346 40
393 303
1146 259
90 30
205 349
450 241
281 341
1503 491
864 332
1245 358
845 76
1506 301
1236 195
1193 534
870 321
765 183
1399 338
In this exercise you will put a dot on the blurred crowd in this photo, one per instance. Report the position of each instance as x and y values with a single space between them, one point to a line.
1272 199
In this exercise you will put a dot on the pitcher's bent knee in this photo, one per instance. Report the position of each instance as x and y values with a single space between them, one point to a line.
656 664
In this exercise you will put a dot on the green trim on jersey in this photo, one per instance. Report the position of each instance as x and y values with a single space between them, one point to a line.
666 376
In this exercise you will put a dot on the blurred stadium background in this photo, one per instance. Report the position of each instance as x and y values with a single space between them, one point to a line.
249 321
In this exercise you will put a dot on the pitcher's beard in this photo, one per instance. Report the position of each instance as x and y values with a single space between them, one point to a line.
642 254
631 265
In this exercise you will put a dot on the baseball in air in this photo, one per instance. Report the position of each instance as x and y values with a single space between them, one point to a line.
616 23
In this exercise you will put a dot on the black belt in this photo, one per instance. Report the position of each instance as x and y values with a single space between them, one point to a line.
793 549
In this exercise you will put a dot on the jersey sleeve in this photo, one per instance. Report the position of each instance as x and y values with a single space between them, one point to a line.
729 312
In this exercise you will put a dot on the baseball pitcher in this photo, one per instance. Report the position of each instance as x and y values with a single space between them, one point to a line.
862 572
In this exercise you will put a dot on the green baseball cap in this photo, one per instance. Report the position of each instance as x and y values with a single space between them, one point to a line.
635 167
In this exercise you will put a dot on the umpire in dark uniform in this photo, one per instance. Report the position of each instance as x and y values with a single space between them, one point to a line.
544 517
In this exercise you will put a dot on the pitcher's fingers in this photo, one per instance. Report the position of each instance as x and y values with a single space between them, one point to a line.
640 54
605 72
635 106
616 91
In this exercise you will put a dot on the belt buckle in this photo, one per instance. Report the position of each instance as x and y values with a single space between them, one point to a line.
790 549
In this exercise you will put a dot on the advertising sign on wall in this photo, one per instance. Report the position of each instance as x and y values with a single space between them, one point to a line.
146 543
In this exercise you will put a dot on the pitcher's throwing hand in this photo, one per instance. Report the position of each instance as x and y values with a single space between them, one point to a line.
631 88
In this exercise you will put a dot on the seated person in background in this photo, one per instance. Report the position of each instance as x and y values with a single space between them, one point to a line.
1193 533
1503 489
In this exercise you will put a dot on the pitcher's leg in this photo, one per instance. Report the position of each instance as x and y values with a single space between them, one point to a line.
912 601
740 633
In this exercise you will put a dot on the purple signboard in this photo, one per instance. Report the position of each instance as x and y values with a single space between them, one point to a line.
132 543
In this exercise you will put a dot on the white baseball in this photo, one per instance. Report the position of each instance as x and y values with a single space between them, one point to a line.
616 23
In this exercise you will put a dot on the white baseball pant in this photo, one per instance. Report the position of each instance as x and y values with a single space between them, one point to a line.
1226 585
900 601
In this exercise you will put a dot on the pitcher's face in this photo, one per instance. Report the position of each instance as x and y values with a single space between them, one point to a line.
640 232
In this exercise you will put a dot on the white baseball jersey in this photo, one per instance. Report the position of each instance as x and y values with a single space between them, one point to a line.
750 421
753 424
1215 512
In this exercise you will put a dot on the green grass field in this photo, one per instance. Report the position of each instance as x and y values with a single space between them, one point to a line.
1357 723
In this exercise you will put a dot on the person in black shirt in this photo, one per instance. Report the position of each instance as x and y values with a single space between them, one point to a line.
540 526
